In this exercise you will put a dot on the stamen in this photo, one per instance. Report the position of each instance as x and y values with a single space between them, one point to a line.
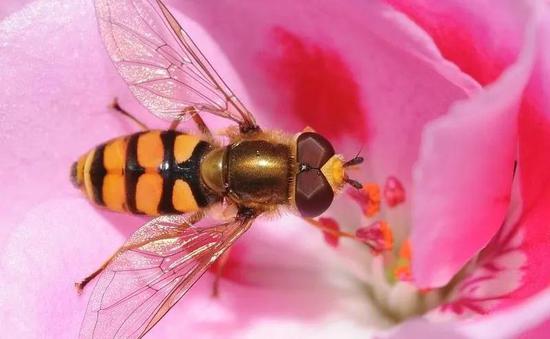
394 193
377 235
331 230
368 198
330 237
402 270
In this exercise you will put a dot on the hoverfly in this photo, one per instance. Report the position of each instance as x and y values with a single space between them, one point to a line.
178 178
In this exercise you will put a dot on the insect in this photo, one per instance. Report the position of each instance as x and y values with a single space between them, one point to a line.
178 178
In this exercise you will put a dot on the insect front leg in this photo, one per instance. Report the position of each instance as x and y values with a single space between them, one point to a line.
201 125
219 269
244 214
122 111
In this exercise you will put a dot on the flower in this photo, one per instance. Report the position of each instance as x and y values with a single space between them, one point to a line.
518 60
390 79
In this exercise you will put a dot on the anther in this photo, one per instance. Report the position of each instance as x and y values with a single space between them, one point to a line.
402 269
332 238
368 198
378 236
394 193
331 230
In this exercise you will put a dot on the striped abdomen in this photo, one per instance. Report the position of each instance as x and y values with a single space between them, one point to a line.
153 172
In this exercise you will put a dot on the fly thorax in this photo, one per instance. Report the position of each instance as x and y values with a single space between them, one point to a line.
257 173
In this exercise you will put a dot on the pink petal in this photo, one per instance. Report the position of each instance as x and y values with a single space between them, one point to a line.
464 174
496 273
538 332
528 320
57 93
357 72
421 328
534 169
43 258
8 7
481 45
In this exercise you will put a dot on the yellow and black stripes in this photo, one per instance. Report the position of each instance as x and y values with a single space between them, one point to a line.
182 178
153 172
97 174
133 171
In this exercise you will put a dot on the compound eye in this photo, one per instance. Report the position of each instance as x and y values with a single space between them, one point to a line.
313 149
313 193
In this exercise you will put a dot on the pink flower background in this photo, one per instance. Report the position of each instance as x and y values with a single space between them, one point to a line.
446 96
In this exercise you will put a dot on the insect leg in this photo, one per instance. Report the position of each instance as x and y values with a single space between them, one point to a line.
201 125
193 219
243 215
220 265
174 125
122 111
82 284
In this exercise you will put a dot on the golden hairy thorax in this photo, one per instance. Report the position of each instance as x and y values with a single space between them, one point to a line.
253 173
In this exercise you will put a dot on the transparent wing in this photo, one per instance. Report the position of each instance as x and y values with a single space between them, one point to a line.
160 263
161 64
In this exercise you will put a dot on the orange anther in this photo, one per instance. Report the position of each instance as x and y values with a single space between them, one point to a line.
331 231
405 250
377 235
403 273
402 270
369 198
394 192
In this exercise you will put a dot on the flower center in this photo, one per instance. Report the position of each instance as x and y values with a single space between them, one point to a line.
479 287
